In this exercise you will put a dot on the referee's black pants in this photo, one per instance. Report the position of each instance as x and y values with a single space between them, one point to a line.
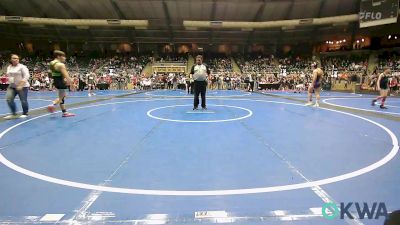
200 87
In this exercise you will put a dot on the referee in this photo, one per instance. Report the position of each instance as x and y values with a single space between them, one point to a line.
200 73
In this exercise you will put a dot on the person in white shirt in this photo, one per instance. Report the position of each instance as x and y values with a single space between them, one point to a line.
91 81
200 73
47 82
18 76
36 85
251 83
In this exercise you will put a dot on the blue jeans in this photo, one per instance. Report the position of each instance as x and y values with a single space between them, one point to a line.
23 96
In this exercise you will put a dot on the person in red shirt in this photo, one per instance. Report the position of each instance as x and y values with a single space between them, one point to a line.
394 85
3 82
4 79
134 81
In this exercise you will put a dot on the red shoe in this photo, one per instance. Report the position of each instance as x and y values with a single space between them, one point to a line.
67 114
51 108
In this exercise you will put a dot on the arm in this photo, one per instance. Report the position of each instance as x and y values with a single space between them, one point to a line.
63 70
192 70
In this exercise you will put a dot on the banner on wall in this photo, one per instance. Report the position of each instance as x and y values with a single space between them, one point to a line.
169 69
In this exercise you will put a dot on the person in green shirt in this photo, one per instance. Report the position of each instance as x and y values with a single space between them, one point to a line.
61 81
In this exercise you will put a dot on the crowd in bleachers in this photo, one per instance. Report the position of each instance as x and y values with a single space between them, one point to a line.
115 72
219 63
171 57
295 64
255 64
386 61
285 73
342 63
296 71
391 61
3 61
119 72
346 68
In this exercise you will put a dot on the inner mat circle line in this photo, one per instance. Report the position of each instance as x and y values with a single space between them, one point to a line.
393 152
249 114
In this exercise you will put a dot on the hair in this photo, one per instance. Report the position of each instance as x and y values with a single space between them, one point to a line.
199 56
58 53
14 55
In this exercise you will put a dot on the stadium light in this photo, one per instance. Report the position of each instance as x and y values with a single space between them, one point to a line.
14 18
114 22
390 36
74 22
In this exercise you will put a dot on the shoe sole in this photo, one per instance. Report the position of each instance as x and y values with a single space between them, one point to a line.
68 115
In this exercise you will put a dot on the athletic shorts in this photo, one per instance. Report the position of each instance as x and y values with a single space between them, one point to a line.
59 83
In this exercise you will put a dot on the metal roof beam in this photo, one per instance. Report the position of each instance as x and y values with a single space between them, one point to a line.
256 18
37 7
168 18
212 18
70 10
131 33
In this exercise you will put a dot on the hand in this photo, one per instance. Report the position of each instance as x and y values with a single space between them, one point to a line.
19 87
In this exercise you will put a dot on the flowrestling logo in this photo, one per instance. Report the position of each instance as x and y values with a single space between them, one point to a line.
364 210
364 15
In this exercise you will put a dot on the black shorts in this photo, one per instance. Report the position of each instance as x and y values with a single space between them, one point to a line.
59 83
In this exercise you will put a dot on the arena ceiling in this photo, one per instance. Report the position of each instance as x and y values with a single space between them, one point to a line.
166 19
